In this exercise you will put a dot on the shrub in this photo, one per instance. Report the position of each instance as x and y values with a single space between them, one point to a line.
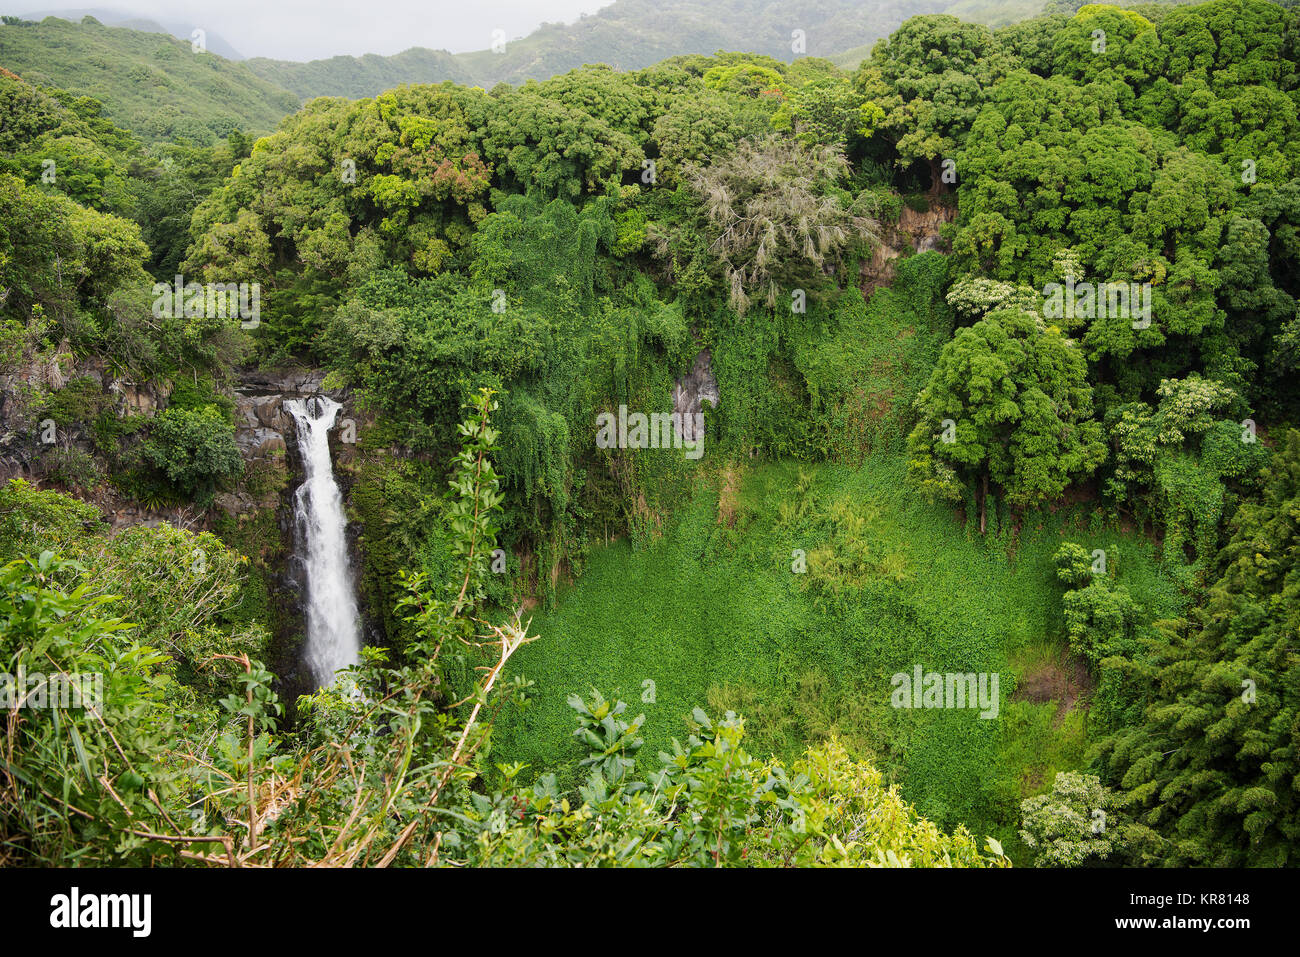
196 449
1078 822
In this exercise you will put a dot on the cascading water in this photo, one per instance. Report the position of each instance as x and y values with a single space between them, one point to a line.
333 633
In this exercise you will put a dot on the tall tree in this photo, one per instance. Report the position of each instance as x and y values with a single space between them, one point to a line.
930 79
1008 403
1214 765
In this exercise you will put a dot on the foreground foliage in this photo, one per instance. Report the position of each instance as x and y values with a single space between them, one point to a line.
897 281
384 769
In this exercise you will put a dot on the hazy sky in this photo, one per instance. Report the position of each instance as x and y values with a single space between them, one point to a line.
308 29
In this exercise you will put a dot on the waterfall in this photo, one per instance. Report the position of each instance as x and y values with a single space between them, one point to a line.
333 635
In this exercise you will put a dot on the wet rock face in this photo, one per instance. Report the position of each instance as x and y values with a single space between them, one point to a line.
263 429
261 426
267 437
918 229
133 399
691 391
293 383
921 229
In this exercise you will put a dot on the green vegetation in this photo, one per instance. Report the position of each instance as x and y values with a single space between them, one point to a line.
194 448
715 612
710 803
158 87
1221 693
621 34
182 592
1079 821
992 344
1009 405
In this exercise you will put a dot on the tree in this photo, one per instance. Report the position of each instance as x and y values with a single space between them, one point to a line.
930 78
750 79
1179 462
1028 43
85 271
774 217
341 188
1229 44
1008 403
827 111
1212 763
1117 48
695 130
1079 822
1101 617
556 137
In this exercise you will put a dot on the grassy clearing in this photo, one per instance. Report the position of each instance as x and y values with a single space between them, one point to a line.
713 615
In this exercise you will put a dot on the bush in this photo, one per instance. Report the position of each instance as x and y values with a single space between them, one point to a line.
1079 822
72 468
196 450
32 519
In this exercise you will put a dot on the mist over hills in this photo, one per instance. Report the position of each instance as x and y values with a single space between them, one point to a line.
181 29
628 34
152 82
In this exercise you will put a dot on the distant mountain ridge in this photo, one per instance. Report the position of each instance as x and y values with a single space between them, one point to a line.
150 83
153 84
182 30
626 35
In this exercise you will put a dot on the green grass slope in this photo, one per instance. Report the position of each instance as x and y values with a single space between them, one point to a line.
713 615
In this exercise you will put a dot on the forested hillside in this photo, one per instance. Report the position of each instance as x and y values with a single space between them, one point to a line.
627 34
180 29
983 359
153 84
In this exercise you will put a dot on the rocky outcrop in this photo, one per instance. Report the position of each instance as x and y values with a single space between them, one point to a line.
265 433
137 398
261 426
121 512
291 383
921 228
24 441
692 390
263 429
917 231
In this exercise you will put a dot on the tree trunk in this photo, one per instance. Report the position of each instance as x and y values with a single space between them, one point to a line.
984 503
936 176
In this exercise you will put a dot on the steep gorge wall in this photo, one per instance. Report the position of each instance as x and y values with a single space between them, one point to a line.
254 516
915 231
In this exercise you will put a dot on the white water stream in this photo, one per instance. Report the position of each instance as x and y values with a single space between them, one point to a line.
333 631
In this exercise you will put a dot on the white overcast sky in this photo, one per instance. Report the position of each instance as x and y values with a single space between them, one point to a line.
309 29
